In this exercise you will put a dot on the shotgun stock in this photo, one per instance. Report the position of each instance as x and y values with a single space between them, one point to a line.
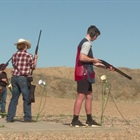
115 69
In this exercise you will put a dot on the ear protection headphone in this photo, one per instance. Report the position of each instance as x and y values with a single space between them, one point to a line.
92 34
92 30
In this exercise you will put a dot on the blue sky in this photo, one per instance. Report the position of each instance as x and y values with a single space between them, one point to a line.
64 23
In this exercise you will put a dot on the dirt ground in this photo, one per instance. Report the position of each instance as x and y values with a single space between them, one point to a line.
123 116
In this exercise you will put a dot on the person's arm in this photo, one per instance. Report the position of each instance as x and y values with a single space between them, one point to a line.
85 58
85 48
35 60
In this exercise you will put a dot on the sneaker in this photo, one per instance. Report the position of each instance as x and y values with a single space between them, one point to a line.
77 124
92 123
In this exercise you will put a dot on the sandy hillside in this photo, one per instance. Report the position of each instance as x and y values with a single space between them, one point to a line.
54 103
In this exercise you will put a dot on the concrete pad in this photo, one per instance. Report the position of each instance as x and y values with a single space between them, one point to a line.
18 126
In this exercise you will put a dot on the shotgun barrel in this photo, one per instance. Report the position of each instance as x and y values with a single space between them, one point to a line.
117 70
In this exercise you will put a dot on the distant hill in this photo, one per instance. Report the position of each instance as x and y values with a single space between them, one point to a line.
60 82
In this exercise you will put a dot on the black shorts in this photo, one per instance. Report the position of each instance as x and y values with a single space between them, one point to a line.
83 86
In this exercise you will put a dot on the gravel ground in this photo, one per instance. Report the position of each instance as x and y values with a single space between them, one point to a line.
125 122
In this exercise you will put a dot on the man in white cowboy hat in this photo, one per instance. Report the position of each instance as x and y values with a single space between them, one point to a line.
23 62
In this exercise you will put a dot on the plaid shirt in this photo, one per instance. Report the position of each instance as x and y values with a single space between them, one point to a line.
22 62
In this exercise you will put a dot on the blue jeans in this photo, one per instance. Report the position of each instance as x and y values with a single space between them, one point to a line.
3 96
19 85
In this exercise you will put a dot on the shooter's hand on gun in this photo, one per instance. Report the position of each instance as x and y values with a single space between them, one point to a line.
98 63
35 57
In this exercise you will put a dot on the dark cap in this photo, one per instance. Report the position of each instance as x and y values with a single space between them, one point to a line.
2 66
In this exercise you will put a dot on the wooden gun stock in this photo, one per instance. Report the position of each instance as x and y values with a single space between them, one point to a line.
117 70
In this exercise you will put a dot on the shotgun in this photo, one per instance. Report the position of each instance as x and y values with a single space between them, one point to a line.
7 63
36 50
37 46
30 78
115 69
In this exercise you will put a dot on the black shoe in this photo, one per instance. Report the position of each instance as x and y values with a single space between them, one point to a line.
9 121
92 123
28 121
77 124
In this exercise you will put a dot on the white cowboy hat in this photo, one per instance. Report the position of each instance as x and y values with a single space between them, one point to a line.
21 40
